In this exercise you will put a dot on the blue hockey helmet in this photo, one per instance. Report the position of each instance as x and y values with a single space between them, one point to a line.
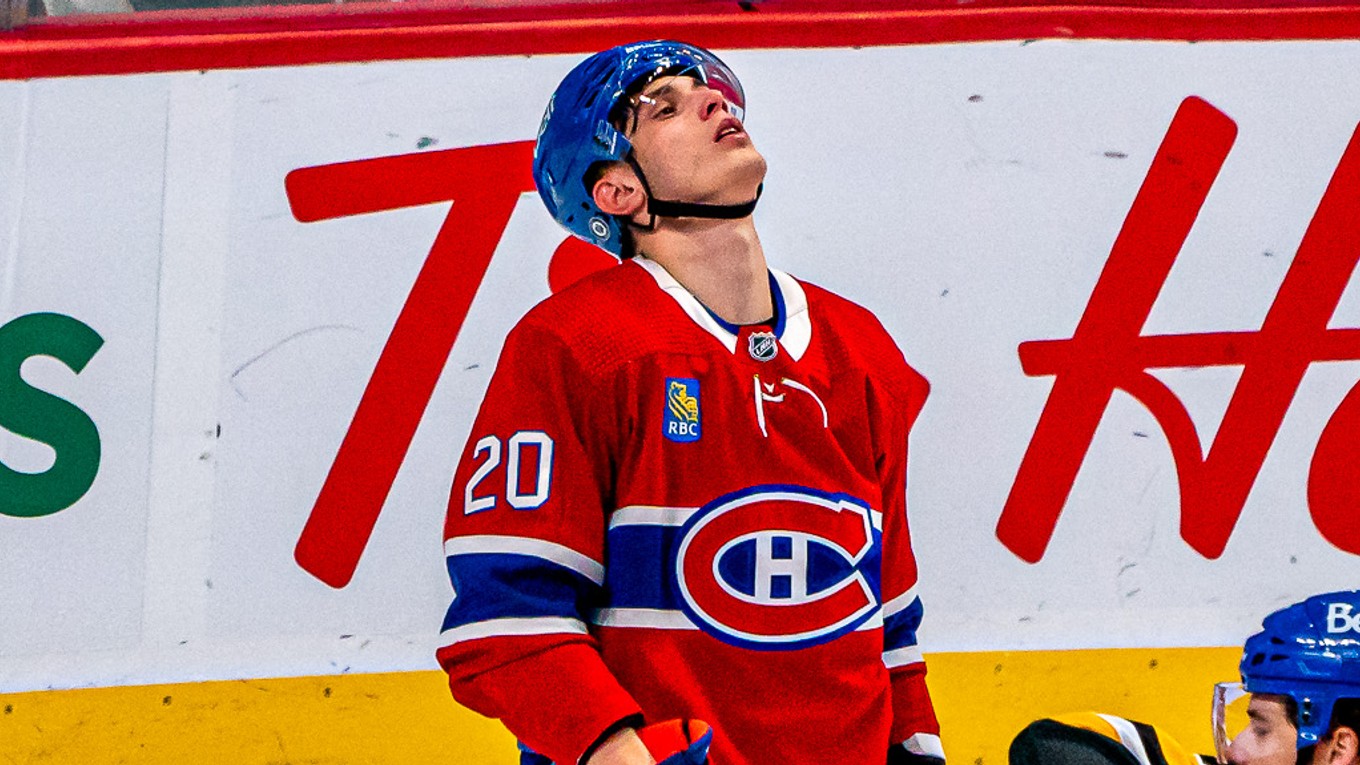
1310 652
577 132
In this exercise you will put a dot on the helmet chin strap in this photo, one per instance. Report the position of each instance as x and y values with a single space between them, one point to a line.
662 208
670 209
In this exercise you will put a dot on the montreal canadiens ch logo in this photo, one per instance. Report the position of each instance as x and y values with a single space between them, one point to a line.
778 567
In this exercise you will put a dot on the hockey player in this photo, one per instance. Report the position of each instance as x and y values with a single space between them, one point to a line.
1302 674
1090 738
682 503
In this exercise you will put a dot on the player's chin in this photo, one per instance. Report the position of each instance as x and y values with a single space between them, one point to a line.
742 170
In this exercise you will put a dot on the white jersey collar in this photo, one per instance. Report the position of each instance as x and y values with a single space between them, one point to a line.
796 332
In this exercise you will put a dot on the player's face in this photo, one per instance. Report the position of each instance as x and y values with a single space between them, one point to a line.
1270 738
690 146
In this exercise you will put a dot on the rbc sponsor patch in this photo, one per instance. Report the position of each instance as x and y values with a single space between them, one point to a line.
682 409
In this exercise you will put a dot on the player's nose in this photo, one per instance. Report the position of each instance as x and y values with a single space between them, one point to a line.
712 103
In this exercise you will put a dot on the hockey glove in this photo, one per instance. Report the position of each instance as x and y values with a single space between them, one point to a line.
678 742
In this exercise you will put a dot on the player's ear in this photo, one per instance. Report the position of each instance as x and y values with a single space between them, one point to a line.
1343 746
618 191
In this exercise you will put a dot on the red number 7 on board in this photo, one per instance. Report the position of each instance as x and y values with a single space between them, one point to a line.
484 183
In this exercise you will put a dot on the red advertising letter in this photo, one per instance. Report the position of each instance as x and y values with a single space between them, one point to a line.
484 183
1108 351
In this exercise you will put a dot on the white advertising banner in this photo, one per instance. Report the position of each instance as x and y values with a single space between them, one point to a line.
1125 268
81 201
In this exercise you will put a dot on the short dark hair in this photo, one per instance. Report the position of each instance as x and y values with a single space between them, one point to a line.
593 175
1345 713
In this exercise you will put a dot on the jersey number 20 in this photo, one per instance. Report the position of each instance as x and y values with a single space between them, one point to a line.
515 494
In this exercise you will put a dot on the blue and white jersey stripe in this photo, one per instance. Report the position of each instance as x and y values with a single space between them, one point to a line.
901 620
506 585
540 625
526 546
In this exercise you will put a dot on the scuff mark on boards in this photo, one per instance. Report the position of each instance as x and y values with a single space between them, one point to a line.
279 738
276 346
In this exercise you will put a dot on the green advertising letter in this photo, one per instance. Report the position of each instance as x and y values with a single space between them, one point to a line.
35 414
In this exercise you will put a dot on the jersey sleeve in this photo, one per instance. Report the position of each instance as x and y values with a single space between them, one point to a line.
914 725
524 540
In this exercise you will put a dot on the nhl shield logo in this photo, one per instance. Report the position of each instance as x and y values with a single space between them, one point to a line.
763 346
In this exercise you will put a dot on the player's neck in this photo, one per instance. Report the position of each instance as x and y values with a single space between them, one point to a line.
720 262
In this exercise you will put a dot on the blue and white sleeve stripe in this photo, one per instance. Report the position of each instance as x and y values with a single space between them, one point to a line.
506 585
901 619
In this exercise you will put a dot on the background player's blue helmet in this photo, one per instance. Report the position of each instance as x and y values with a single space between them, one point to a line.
1309 652
577 133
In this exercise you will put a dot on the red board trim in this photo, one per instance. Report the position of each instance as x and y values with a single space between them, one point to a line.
292 35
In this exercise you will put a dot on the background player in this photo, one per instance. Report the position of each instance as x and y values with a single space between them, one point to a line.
1302 674
684 494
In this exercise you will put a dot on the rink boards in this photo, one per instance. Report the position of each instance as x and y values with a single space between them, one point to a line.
244 393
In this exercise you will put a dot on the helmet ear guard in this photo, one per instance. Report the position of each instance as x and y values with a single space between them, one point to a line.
580 130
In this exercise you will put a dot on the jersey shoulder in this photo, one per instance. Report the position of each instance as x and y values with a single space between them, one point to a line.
604 320
851 334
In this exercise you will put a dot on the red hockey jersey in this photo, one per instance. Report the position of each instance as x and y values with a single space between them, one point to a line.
660 512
